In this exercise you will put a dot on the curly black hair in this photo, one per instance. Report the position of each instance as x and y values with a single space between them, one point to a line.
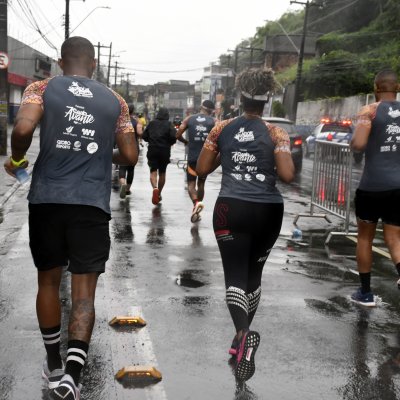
256 82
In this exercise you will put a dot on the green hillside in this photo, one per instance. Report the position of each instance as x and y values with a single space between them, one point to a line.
357 38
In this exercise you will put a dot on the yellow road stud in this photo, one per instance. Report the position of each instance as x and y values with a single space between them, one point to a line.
126 320
138 372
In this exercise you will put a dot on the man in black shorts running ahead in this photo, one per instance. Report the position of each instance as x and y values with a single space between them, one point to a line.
69 198
378 195
198 127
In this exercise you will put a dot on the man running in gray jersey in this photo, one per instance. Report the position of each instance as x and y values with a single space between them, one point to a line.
378 195
69 198
198 127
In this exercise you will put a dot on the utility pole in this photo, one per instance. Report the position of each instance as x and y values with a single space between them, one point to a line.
100 46
66 19
251 48
3 77
109 66
296 96
127 86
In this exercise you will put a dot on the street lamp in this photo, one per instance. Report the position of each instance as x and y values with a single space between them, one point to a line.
286 34
91 12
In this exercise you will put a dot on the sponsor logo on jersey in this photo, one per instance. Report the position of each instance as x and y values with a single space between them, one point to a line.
392 129
247 177
92 147
200 119
68 131
77 145
238 177
78 115
243 136
80 91
88 132
393 113
243 157
260 177
63 144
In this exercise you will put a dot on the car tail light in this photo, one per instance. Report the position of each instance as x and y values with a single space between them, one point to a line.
329 137
346 122
297 142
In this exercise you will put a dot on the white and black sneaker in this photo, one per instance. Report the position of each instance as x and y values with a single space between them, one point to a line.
197 209
52 378
67 389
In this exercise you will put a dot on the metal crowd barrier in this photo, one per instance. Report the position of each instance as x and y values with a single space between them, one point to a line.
331 184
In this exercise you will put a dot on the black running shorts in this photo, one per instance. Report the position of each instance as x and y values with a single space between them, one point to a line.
73 235
158 158
372 206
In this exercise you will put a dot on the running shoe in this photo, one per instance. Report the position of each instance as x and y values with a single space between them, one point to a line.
365 299
122 191
197 209
52 378
245 365
67 389
156 196
128 192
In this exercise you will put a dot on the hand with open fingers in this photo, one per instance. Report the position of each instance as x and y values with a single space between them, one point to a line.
11 165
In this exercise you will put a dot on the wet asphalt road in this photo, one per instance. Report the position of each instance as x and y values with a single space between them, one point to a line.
315 344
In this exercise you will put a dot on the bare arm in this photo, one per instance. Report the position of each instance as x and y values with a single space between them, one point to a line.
127 151
207 162
284 166
182 128
26 121
361 134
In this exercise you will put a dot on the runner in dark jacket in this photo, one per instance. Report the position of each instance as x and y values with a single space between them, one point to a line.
160 134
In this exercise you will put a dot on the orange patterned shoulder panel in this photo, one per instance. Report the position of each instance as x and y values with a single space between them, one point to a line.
211 142
367 114
33 94
280 138
124 124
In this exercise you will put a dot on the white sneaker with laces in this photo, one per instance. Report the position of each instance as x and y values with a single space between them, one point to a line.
197 209
67 389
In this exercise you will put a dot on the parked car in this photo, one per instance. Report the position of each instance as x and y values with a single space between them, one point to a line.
332 131
296 141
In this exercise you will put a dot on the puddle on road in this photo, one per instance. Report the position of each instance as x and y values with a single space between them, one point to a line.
325 271
189 279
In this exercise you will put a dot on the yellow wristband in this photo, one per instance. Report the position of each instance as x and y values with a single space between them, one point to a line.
18 163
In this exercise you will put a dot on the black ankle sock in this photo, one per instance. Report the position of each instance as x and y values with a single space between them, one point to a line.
365 279
51 340
76 357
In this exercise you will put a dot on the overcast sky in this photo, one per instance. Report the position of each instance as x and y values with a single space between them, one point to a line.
148 35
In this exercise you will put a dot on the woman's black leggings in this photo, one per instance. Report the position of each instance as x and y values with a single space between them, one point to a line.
126 172
245 232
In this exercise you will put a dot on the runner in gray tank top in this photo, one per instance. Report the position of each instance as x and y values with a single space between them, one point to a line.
197 126
248 213
69 211
378 195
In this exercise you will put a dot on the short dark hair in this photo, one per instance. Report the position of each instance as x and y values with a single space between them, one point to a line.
77 47
131 108
386 80
208 104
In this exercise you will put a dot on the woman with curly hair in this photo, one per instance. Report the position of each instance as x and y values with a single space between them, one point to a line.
249 210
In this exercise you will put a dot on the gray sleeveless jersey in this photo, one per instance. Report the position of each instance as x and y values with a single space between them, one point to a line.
199 126
77 135
248 163
382 154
